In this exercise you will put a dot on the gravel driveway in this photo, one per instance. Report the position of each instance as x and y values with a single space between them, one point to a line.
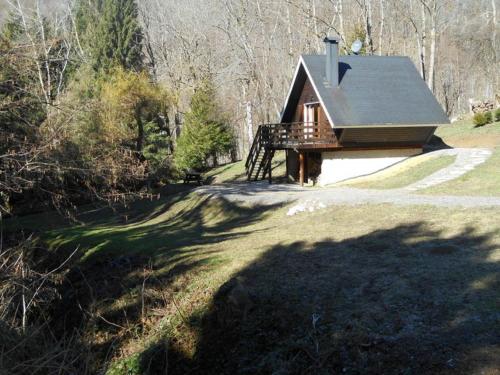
312 198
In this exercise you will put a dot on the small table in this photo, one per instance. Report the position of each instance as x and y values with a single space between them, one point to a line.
192 176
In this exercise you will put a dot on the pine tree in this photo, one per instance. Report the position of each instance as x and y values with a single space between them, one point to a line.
118 36
205 134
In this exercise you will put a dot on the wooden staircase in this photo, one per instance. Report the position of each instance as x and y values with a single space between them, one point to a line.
258 164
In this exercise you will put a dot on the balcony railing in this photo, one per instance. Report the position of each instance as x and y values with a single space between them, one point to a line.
297 135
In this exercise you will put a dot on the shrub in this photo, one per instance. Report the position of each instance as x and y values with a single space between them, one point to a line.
479 119
489 117
497 114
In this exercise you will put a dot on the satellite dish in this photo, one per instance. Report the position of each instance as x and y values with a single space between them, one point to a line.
356 46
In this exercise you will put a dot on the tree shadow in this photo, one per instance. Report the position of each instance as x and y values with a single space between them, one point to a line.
133 267
403 300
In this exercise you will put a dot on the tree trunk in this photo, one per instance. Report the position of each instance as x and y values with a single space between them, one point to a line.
140 131
315 25
289 32
432 58
381 30
340 13
249 122
422 44
248 114
494 38
368 26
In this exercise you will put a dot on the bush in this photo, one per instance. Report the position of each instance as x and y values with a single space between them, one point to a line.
497 114
479 119
489 117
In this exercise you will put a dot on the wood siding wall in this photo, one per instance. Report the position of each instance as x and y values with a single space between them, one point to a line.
386 136
308 95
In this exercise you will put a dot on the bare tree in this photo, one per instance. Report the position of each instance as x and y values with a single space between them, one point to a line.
381 27
251 47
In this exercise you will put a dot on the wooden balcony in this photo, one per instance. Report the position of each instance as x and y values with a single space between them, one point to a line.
298 135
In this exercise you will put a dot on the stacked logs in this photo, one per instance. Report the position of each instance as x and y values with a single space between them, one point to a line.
480 106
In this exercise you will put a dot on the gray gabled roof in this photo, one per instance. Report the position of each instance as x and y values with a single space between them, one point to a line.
373 91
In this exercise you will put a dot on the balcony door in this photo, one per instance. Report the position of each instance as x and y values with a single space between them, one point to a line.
311 119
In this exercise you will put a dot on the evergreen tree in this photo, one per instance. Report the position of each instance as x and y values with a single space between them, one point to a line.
205 133
88 14
116 39
120 36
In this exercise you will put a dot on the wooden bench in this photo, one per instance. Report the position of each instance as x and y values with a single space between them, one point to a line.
193 176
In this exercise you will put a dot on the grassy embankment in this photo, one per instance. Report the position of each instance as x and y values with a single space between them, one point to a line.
389 286
203 285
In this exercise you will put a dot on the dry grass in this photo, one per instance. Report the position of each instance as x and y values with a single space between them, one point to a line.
388 289
410 171
28 343
484 180
464 133
190 284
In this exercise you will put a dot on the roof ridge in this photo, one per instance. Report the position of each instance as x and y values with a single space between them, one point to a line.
358 56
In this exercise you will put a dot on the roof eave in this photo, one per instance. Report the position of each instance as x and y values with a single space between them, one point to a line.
297 68
390 125
304 65
325 108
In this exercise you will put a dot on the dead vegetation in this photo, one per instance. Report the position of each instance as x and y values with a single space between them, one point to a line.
28 292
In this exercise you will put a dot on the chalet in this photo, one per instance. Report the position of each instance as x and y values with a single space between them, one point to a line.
347 116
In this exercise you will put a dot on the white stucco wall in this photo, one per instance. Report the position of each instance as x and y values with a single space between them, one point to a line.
343 165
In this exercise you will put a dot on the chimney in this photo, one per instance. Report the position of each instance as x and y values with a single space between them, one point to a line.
332 60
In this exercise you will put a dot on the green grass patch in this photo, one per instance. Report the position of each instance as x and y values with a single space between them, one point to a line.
153 228
408 176
235 172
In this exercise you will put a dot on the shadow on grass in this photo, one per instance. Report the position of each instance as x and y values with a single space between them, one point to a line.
103 292
436 143
399 301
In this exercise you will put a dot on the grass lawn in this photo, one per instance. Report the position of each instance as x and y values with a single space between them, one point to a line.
212 287
403 176
235 172
464 133
195 284
484 180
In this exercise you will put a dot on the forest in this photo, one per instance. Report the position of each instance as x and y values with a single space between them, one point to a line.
95 93
105 102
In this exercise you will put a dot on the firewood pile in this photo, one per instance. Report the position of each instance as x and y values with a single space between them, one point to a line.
481 106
